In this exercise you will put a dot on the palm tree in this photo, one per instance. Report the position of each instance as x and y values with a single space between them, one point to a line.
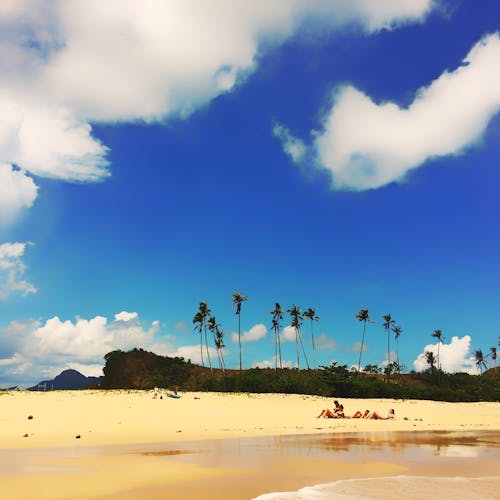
198 322
364 316
238 298
480 362
493 354
397 332
431 359
387 324
296 322
438 334
277 313
205 313
214 327
311 314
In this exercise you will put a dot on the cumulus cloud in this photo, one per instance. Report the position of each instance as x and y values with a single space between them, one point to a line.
255 333
18 191
126 316
66 64
453 357
192 352
32 350
12 269
367 145
288 334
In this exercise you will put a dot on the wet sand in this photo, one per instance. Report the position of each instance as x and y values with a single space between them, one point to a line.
245 468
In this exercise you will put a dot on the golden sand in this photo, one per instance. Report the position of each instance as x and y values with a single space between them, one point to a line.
125 444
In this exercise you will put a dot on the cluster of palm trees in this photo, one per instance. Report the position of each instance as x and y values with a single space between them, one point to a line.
389 325
204 319
481 358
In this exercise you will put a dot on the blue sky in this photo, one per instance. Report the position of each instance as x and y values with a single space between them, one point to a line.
311 153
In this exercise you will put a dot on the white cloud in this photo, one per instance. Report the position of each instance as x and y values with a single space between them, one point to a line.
292 146
126 316
64 64
17 192
367 145
288 334
255 333
454 357
192 352
31 350
12 269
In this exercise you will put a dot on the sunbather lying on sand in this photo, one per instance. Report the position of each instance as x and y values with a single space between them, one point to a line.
358 414
338 411
375 416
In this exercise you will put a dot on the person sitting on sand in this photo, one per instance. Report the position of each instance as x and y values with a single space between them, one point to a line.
338 411
358 414
376 416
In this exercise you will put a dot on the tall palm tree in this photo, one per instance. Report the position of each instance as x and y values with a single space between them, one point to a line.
214 327
277 313
205 314
364 316
311 314
431 360
397 332
387 324
493 354
296 316
198 322
480 362
438 334
238 299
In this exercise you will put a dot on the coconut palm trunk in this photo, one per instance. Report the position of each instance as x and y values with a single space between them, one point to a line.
238 298
311 314
387 324
363 315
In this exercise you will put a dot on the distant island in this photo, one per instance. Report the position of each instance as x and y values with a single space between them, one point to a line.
67 380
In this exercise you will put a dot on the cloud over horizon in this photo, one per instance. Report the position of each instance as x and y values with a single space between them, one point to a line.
454 357
255 333
31 350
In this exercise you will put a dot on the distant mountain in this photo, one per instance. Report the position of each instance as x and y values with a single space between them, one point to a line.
67 380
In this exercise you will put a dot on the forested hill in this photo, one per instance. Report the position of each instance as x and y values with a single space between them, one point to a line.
139 369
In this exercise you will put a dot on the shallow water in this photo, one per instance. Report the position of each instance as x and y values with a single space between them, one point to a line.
407 487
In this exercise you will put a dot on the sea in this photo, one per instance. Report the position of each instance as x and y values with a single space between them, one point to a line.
396 487
439 465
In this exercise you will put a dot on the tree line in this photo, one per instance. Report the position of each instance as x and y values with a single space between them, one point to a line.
204 320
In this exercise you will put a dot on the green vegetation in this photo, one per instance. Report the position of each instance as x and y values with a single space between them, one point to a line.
139 369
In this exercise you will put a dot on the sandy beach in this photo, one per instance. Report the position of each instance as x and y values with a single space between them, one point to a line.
117 444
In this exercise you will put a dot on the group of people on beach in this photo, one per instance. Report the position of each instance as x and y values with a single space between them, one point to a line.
338 412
